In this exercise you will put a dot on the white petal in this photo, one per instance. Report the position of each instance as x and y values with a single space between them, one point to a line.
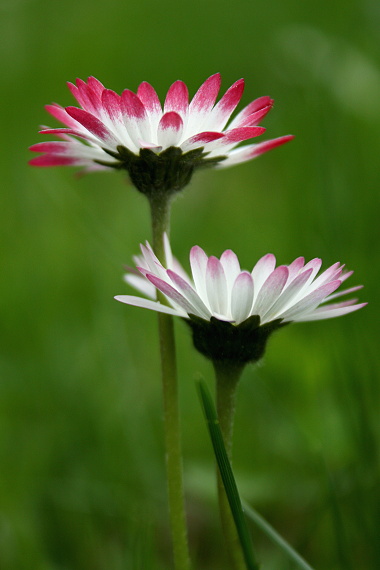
262 270
186 289
152 305
289 296
310 302
270 290
141 284
318 314
231 267
216 285
198 262
242 297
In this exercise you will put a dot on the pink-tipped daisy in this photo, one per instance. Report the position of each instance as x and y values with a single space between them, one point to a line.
221 301
133 131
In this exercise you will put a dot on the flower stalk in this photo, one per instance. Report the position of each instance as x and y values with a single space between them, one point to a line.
160 215
227 376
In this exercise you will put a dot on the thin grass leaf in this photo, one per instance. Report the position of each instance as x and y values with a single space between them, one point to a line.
227 475
275 537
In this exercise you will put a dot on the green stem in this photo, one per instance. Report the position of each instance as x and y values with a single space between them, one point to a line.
227 377
160 214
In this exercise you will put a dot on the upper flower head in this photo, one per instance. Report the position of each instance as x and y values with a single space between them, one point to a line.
220 292
120 131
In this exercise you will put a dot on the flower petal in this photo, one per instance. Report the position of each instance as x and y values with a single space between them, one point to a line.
262 270
270 290
231 267
288 297
135 117
224 108
242 297
92 124
171 293
204 99
191 295
141 284
326 313
257 106
198 263
201 139
310 302
216 286
250 152
177 99
148 304
170 129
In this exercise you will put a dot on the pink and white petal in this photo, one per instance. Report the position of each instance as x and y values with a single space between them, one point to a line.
314 265
171 293
152 305
294 268
169 130
224 108
310 302
191 295
252 120
151 262
52 147
201 140
242 297
289 296
168 251
344 292
320 314
250 152
202 103
56 160
96 86
235 136
151 102
331 274
198 263
345 275
270 290
77 93
177 99
92 124
113 116
92 94
254 107
61 115
204 99
262 270
68 134
231 267
141 284
216 286
149 98
135 117
111 103
265 146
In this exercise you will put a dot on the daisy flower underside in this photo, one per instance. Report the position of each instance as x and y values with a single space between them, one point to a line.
110 130
220 289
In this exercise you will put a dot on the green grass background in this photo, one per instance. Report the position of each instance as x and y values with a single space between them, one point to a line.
82 474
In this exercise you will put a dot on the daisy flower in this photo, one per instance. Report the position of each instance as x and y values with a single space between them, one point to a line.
225 305
158 146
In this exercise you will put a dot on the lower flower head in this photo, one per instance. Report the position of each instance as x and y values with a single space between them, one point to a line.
220 296
158 145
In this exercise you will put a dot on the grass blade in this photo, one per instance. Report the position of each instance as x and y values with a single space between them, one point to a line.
276 538
227 475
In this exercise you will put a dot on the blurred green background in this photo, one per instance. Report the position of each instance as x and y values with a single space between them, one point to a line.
82 474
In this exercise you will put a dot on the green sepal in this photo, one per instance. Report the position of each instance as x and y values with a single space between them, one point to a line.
166 172
221 341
